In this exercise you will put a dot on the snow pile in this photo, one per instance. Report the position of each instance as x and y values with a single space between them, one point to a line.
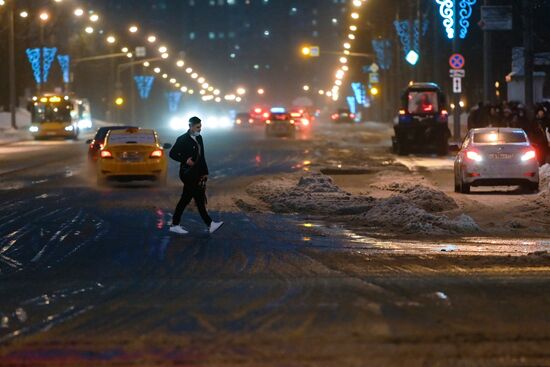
313 194
544 177
412 210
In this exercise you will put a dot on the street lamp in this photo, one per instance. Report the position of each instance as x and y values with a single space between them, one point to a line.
111 39
133 29
44 16
78 12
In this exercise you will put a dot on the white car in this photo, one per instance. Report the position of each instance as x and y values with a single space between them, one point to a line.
496 157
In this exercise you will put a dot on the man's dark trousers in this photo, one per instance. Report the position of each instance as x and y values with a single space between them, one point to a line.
192 190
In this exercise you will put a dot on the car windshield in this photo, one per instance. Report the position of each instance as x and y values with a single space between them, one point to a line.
422 102
51 112
500 137
137 138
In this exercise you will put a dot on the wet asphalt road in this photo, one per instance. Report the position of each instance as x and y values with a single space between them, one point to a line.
92 277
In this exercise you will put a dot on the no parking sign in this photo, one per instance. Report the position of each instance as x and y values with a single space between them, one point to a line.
457 61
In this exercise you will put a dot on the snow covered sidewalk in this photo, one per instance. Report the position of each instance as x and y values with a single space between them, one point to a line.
10 135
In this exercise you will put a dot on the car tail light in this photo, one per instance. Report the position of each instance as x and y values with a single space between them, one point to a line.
156 154
292 122
352 115
305 122
444 112
474 156
105 154
265 115
268 122
258 110
402 112
530 154
335 116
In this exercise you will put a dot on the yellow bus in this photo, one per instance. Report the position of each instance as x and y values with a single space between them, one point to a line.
54 116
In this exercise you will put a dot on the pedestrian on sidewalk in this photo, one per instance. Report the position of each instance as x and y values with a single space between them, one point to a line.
189 151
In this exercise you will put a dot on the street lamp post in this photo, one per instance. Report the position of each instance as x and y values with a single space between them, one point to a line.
43 19
12 71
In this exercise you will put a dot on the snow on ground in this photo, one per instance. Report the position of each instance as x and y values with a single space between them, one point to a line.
413 209
9 134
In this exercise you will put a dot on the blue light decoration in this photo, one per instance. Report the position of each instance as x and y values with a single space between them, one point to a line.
65 64
49 57
351 104
448 11
174 99
412 57
382 49
35 57
33 54
465 14
360 93
144 84
402 28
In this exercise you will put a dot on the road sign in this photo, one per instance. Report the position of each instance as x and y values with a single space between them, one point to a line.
374 78
457 85
141 51
496 18
314 51
457 73
457 61
374 68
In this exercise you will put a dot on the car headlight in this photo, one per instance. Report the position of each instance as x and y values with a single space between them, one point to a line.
33 129
69 128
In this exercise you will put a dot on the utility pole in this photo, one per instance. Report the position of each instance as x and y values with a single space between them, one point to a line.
12 79
487 63
529 58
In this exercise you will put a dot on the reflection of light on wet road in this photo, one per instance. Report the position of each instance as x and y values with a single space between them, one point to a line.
416 163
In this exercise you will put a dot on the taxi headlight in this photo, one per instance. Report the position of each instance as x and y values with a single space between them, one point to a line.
33 129
69 128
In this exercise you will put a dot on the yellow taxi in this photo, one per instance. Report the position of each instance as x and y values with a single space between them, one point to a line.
132 154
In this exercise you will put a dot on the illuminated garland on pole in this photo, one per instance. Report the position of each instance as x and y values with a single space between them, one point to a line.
33 54
49 57
65 64
174 99
447 10
144 84
382 48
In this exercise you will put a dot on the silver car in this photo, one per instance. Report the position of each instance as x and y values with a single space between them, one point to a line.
496 157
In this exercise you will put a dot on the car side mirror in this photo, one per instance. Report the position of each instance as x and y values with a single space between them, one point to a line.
454 148
89 141
167 145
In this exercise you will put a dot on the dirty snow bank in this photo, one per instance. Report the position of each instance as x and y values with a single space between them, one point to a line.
411 210
544 178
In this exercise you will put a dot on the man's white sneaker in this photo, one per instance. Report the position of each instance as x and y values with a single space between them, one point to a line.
214 226
178 229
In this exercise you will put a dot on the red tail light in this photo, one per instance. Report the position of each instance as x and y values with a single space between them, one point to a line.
352 115
265 115
444 112
335 116
156 154
105 154
305 122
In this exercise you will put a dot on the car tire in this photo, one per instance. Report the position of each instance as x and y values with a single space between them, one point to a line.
457 184
464 187
401 149
531 187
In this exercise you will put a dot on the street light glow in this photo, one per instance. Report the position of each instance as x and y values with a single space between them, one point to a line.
111 39
133 29
151 39
44 16
156 70
261 91
79 12
94 18
305 88
24 14
355 15
163 49
180 63
89 30
241 91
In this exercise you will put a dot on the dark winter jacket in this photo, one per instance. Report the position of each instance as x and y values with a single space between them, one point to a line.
185 148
